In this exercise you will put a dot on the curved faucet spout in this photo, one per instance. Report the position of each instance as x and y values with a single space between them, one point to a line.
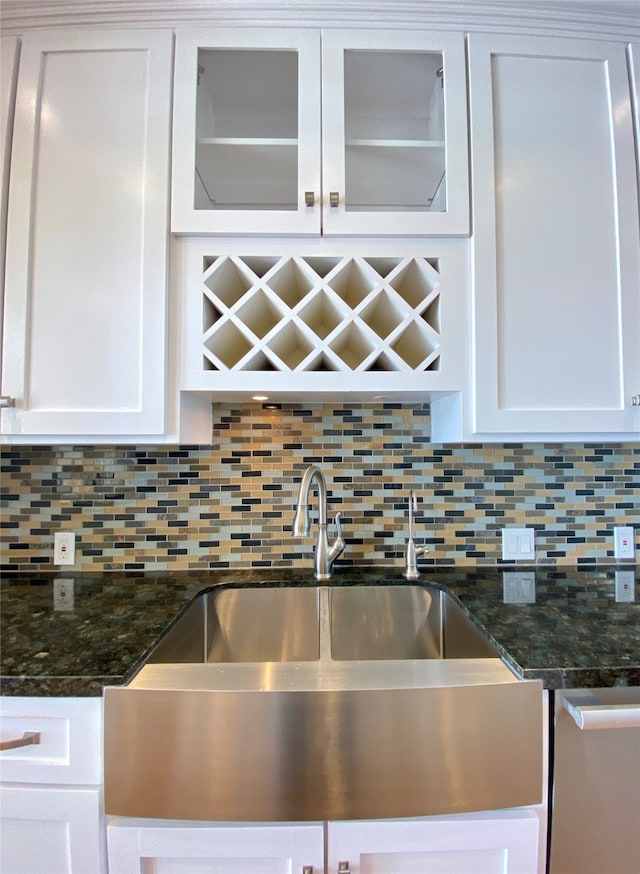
324 555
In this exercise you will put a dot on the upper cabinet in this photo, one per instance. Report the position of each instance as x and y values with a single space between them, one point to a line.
86 273
555 256
301 132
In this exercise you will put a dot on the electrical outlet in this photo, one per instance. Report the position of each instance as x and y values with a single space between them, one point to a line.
625 586
623 542
62 594
64 547
518 544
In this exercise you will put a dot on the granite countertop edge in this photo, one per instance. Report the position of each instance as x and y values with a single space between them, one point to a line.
475 589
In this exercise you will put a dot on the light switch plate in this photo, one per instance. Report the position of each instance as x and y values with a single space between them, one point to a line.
519 588
518 544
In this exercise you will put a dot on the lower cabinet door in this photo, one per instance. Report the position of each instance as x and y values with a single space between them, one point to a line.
505 843
51 830
136 847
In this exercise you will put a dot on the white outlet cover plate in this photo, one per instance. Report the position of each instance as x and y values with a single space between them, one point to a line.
64 548
518 544
624 545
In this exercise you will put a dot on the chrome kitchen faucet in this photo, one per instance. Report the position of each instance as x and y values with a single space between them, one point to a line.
324 555
412 551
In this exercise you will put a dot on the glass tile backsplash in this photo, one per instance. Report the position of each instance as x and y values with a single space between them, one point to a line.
231 503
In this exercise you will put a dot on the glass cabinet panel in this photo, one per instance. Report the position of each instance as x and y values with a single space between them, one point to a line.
394 131
247 130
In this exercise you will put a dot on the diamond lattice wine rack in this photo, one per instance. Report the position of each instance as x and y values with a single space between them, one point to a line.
321 314
313 322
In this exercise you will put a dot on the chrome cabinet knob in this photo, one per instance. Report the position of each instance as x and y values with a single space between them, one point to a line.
309 198
334 198
7 401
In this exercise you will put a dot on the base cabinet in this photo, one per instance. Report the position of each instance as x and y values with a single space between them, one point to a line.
51 798
504 842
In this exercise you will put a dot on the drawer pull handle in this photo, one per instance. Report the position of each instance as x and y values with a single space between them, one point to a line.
28 738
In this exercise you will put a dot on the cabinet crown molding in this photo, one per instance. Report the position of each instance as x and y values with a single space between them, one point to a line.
610 19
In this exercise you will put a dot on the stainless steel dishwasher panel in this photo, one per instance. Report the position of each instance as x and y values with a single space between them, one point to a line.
325 754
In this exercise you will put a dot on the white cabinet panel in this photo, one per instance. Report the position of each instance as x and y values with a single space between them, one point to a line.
505 842
50 831
48 825
144 847
555 252
69 748
84 339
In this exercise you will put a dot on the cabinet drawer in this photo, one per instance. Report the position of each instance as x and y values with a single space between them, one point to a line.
69 744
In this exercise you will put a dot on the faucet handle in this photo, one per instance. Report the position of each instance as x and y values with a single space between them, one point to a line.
339 543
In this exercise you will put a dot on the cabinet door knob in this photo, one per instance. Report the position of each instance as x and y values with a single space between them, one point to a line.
307 869
635 400
309 198
7 401
344 868
334 198
28 738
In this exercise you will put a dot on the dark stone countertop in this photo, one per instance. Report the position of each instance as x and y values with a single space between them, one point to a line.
576 633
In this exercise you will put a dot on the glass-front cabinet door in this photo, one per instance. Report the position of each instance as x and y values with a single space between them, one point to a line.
247 132
394 133
285 131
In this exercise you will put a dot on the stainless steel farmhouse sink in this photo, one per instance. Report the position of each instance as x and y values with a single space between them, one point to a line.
294 703
282 624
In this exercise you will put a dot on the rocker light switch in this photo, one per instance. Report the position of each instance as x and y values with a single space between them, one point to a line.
518 544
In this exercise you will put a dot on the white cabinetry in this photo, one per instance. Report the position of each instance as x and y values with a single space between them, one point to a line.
555 263
146 847
505 842
302 132
51 810
86 297
322 319
469 844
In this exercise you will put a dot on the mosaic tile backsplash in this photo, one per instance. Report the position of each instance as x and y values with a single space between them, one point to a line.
231 503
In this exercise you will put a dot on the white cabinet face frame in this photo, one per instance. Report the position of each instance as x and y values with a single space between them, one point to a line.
86 272
633 57
454 220
302 219
9 57
556 318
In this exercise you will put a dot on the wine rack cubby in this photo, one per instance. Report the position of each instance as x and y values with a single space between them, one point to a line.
320 313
